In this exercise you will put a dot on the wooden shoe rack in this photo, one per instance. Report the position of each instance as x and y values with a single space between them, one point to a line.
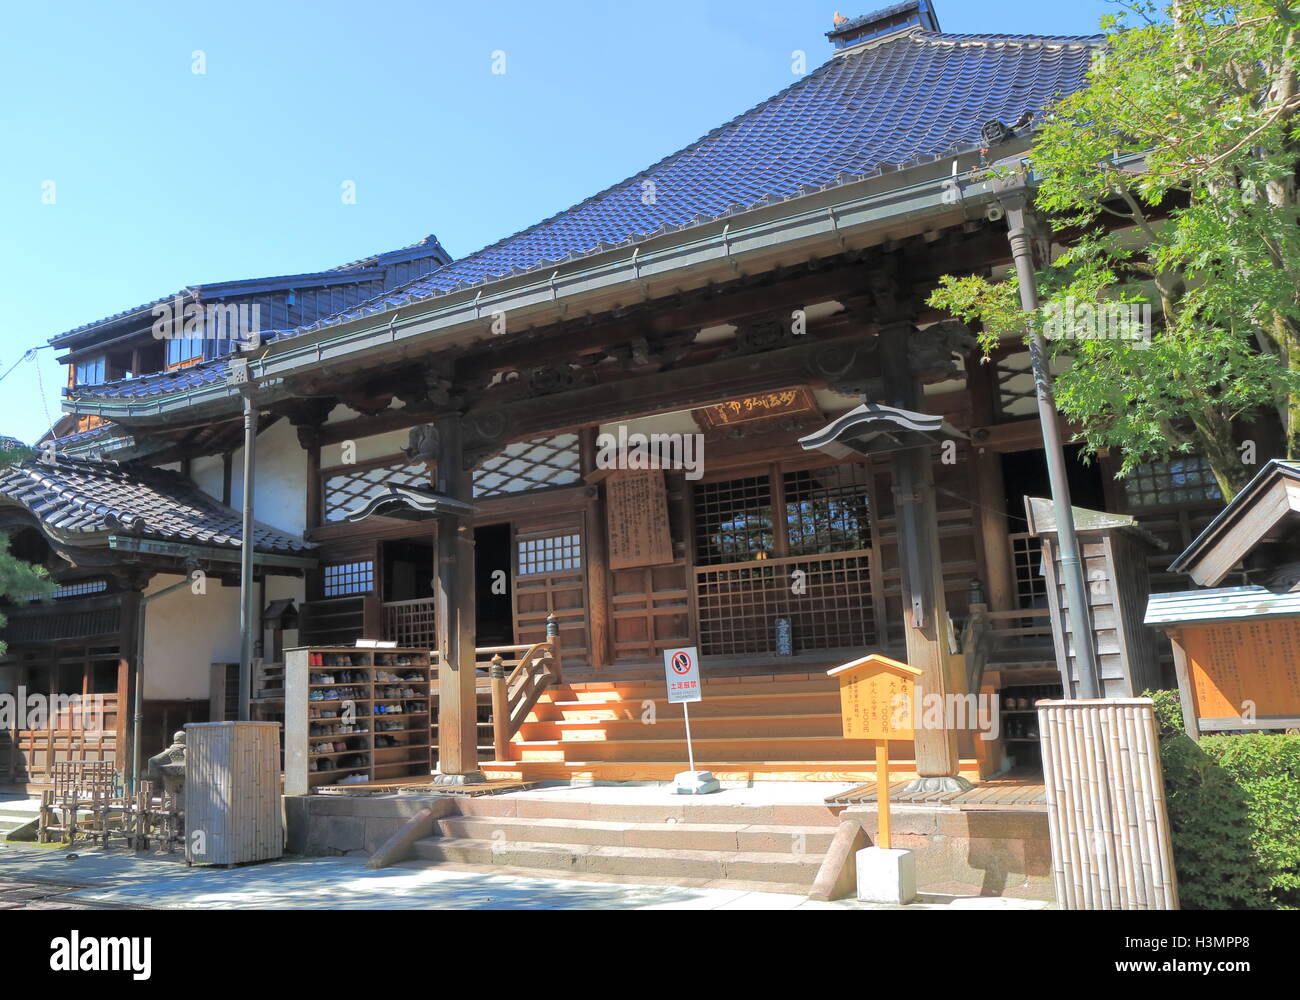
346 719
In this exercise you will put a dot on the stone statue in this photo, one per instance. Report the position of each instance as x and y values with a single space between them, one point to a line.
168 767
422 445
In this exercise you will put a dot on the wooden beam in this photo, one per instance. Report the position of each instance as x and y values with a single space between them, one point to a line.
820 364
455 596
920 559
598 588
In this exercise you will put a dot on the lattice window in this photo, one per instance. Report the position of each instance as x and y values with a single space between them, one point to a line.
733 521
830 608
347 490
550 555
1031 585
1186 479
79 589
826 510
344 579
530 465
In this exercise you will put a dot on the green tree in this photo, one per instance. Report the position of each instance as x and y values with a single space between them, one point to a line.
19 581
1171 178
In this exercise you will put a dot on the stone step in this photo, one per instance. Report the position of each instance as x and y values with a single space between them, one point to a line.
678 810
725 837
752 866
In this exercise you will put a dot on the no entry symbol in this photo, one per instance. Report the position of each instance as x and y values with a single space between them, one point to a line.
681 664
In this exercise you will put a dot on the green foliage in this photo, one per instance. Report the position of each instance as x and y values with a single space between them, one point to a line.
1233 805
1174 172
18 580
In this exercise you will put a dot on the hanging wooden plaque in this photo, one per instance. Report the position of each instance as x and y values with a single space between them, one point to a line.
637 516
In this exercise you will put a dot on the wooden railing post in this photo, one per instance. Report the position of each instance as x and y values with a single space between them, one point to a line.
553 637
500 709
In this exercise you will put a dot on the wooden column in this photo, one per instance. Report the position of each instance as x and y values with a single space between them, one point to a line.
454 594
925 609
597 559
990 490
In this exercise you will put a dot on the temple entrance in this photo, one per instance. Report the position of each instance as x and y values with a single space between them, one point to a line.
493 586
1025 474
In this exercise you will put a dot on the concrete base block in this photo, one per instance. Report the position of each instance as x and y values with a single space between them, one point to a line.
695 783
886 875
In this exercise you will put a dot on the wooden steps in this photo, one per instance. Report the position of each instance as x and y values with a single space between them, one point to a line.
762 728
723 770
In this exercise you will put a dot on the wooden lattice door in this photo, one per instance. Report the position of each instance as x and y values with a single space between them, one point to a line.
550 577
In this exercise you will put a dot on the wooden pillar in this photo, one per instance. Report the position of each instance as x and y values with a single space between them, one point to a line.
990 489
925 609
454 594
597 559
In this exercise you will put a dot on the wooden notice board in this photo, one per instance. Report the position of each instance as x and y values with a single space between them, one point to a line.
637 516
1232 663
877 698
761 406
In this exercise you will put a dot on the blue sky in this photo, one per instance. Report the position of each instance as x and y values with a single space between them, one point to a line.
163 177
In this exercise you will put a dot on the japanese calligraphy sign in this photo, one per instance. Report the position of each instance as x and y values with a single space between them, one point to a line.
877 696
760 406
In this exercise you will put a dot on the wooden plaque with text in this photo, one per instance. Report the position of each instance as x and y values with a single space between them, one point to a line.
637 515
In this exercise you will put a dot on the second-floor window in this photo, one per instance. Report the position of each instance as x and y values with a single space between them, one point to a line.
90 371
183 351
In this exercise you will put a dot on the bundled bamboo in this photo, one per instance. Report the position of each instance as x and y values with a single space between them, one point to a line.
1111 845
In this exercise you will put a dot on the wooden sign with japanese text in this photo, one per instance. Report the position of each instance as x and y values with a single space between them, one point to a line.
877 698
1236 666
639 534
760 406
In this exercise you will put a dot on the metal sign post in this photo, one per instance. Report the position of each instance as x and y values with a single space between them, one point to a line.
682 673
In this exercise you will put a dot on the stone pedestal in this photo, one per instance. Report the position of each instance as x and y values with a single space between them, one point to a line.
695 783
886 875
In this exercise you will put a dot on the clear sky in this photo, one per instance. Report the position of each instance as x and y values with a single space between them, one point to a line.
162 177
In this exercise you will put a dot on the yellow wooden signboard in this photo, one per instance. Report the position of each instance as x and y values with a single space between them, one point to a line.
877 702
876 698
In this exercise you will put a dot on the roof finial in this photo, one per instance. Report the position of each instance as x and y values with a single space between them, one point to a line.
840 18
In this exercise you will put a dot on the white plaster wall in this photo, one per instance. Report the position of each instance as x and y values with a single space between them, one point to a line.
280 500
184 634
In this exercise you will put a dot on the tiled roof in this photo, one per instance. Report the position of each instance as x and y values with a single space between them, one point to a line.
157 384
429 243
911 99
1226 604
908 100
74 496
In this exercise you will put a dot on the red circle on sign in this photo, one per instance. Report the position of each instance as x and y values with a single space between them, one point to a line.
681 663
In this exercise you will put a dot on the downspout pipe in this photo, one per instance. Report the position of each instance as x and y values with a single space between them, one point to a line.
247 591
137 708
1012 194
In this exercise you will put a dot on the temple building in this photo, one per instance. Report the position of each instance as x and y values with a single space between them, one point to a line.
620 400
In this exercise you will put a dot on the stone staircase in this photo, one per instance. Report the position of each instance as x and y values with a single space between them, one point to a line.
16 812
783 727
762 847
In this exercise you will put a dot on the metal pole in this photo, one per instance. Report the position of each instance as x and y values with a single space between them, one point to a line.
1012 195
690 753
247 592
